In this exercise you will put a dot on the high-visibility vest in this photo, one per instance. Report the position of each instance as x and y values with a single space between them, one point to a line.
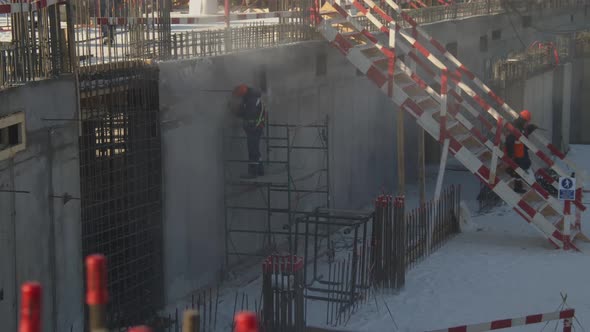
518 149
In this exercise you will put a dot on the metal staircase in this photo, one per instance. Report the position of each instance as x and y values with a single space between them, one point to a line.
454 107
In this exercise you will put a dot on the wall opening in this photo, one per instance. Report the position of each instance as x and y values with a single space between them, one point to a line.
497 34
12 134
483 43
453 48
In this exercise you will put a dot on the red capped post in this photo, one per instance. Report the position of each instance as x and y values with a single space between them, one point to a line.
246 321
30 307
96 291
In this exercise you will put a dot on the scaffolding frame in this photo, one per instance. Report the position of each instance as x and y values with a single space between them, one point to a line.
276 137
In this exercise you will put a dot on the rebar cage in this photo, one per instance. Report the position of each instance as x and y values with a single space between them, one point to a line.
120 176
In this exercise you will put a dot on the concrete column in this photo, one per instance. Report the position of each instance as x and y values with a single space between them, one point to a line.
202 7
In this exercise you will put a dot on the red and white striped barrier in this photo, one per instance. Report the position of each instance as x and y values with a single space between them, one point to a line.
194 20
373 68
566 315
488 108
24 7
461 69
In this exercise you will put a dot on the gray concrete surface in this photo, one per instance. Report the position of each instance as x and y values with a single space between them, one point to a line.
580 117
192 127
361 119
40 236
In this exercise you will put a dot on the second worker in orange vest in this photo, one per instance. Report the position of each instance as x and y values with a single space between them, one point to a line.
516 150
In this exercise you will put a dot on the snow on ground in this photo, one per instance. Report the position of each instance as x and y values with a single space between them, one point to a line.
5 33
499 268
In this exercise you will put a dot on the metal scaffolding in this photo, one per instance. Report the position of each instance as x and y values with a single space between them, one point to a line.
258 225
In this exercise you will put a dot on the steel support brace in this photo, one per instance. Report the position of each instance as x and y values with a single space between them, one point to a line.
443 105
441 169
439 181
391 60
443 136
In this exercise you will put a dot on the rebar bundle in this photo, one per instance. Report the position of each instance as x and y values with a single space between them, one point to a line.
282 291
389 243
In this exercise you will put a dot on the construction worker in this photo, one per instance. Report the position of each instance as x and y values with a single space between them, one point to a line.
247 104
517 151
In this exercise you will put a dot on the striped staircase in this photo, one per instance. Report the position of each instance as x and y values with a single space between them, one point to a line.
454 107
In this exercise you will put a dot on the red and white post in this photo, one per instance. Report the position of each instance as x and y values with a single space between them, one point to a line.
567 325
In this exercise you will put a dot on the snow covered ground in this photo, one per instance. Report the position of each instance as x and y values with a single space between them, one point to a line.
499 268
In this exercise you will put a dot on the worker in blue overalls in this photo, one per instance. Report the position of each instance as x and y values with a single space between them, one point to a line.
250 108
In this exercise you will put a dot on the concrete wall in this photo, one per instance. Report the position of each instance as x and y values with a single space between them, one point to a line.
548 96
361 140
362 125
580 117
39 235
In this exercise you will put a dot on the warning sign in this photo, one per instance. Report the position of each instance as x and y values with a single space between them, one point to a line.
567 188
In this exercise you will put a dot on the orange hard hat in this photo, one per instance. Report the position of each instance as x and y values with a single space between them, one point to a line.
525 114
240 90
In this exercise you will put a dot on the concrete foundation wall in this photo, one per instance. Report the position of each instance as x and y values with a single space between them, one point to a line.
538 99
362 125
548 96
362 144
580 117
40 236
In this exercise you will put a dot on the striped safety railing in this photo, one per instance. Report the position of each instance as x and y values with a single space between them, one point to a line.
26 6
565 315
462 71
382 71
196 19
488 175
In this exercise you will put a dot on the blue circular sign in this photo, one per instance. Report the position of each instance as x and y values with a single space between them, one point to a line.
567 183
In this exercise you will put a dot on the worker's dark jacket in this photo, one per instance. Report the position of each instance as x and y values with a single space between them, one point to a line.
252 110
520 154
